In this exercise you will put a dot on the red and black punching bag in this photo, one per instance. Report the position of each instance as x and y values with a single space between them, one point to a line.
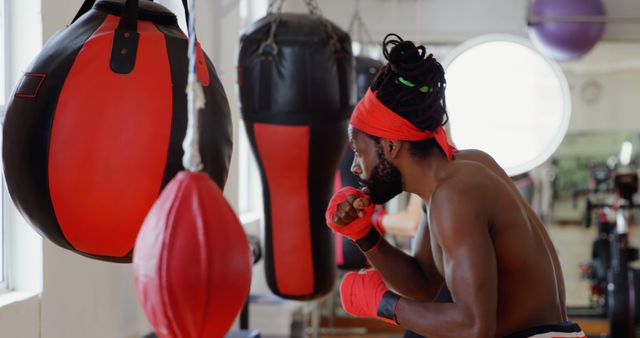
296 91
94 129
348 255
192 263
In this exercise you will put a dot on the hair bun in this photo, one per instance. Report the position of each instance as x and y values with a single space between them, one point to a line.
412 83
404 56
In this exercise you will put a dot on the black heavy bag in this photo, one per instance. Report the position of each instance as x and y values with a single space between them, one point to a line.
296 80
94 130
348 255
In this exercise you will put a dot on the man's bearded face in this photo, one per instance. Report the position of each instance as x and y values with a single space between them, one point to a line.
385 182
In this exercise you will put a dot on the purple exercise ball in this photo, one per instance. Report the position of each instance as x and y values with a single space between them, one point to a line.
565 41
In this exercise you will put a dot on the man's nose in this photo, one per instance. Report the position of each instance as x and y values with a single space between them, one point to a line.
355 168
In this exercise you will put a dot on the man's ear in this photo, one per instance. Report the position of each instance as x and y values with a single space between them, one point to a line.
391 148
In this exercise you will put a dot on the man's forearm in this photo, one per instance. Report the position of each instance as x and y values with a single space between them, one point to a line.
441 320
403 274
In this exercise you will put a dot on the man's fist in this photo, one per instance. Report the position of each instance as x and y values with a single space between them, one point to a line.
349 213
351 205
364 294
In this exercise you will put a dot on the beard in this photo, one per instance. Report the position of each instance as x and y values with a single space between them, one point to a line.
385 182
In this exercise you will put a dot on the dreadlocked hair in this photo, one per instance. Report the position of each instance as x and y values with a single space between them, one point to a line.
412 84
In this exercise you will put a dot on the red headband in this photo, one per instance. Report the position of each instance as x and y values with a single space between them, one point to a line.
374 118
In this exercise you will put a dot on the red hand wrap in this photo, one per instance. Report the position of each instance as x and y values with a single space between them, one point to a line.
356 229
364 294
378 215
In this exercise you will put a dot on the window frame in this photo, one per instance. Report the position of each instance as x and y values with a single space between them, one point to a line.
4 271
249 180
250 200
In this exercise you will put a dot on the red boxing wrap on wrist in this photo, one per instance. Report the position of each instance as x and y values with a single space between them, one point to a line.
364 294
378 215
356 229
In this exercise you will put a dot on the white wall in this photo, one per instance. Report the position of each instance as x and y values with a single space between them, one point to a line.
433 21
444 21
604 88
622 9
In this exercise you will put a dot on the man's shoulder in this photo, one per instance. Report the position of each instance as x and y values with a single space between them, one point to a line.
466 183
475 155
465 174
457 205
466 189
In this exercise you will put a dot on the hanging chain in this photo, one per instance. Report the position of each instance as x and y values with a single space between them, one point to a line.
357 28
313 7
272 5
354 18
271 40
275 8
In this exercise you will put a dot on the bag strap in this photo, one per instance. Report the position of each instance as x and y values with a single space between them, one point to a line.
88 4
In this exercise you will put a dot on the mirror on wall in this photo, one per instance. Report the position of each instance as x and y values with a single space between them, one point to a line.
603 136
585 162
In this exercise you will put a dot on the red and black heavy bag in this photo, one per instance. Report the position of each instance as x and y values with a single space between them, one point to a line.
348 255
192 263
94 130
296 94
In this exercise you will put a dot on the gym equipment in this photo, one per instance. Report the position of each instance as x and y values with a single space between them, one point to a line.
192 264
614 284
621 290
295 76
609 188
94 129
256 253
597 269
566 29
598 190
348 255
626 185
366 70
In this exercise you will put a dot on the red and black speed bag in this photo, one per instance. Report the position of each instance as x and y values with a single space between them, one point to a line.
94 130
348 255
296 95
192 263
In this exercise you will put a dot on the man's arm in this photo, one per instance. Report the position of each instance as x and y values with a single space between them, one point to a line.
405 222
415 277
460 226
348 214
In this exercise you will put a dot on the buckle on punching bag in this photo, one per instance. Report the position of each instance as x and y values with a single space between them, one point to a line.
124 50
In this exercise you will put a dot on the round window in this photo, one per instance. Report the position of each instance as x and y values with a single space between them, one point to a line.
505 98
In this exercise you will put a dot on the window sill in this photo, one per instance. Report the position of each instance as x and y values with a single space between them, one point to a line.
20 314
12 297
251 222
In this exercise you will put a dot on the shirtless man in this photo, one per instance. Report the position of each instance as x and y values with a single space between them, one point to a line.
482 239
